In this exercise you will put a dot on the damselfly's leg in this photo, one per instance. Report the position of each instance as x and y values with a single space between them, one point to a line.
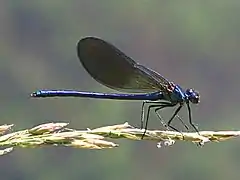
162 121
174 114
153 105
143 109
183 123
160 117
190 118
164 105
143 112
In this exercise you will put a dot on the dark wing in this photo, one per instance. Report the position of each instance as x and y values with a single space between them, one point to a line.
112 68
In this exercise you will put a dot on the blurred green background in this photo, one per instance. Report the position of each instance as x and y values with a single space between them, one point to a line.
193 43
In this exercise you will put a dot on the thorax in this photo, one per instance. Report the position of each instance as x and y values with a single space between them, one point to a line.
175 94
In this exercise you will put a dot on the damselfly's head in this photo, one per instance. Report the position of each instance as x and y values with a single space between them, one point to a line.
193 96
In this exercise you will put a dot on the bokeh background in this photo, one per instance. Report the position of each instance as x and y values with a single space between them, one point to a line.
193 43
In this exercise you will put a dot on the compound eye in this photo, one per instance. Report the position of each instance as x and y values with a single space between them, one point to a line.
193 96
195 99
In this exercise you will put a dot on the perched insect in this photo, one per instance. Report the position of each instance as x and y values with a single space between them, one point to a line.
112 68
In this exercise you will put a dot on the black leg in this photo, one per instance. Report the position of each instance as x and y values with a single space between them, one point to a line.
180 119
164 124
147 117
143 107
142 112
190 118
159 116
174 114
153 104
